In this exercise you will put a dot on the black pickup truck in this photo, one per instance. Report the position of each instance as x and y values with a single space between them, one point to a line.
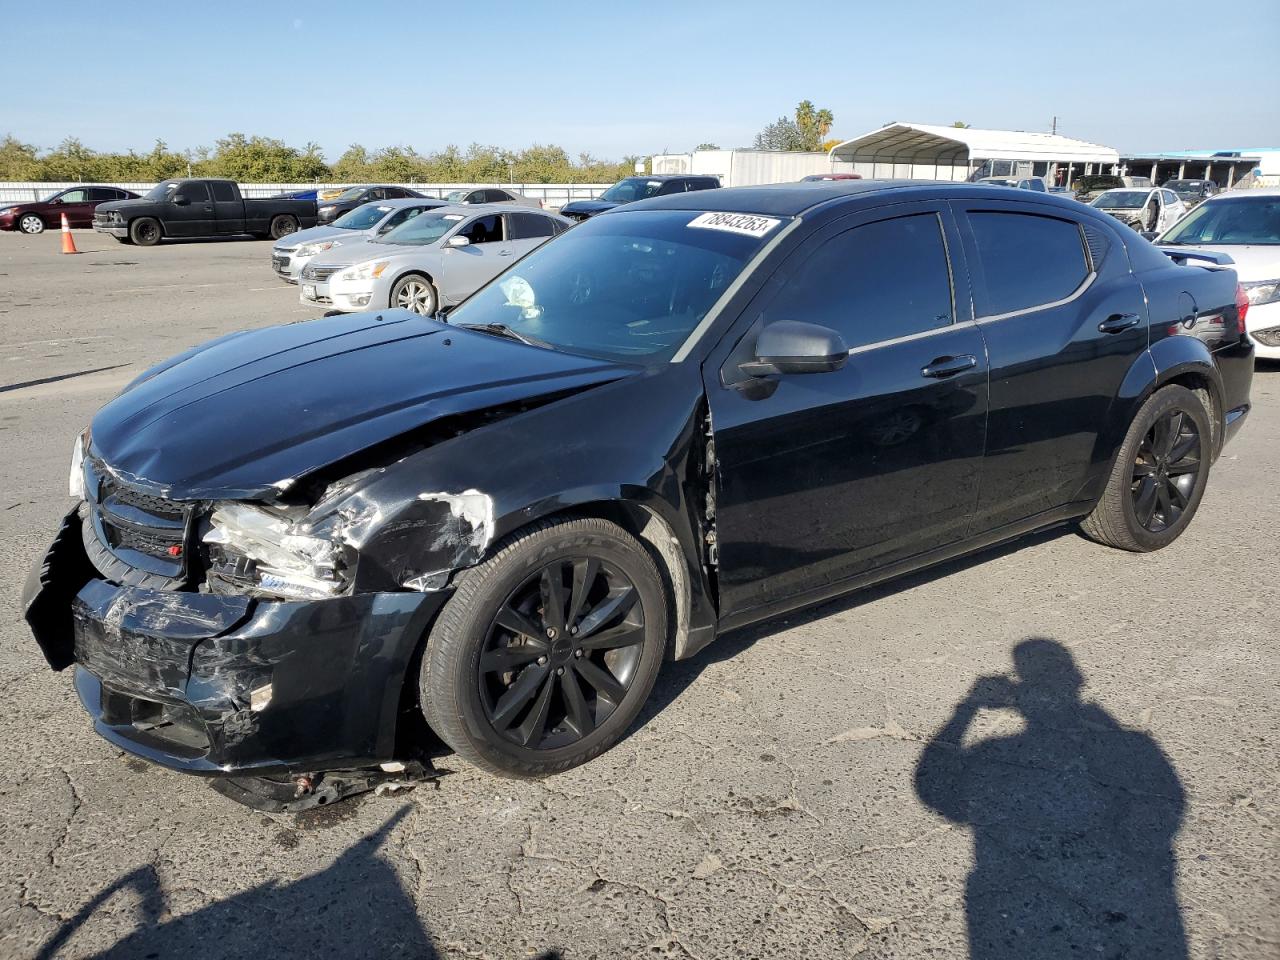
200 208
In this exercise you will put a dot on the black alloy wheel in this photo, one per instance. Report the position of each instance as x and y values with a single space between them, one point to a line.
561 653
1165 471
547 650
145 232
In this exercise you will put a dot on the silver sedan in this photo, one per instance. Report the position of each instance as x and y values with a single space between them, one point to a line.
292 253
491 195
431 263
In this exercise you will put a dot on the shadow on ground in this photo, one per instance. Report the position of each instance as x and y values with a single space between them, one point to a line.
1073 820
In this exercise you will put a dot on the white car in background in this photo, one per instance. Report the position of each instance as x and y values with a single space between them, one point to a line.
433 262
491 195
1245 225
1147 210
293 252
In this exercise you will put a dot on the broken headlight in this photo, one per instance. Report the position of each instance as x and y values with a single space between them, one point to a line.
75 480
272 551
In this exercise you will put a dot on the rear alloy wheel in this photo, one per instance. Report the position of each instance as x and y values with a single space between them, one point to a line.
1159 475
415 293
31 223
547 652
145 232
282 226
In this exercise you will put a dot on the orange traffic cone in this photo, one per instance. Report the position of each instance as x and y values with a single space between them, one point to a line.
68 241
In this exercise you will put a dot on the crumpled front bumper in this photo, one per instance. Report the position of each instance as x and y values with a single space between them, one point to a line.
113 228
227 684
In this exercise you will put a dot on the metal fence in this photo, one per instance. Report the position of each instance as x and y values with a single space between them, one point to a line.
552 195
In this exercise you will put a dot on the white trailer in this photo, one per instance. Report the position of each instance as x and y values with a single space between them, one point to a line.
742 168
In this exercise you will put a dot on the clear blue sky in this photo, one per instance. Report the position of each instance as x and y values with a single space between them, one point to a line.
614 79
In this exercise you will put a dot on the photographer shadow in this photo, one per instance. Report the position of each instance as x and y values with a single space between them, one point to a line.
1073 820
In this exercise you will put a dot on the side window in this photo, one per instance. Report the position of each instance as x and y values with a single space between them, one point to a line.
485 229
399 217
671 186
99 194
75 196
376 194
1169 196
1027 260
223 191
196 191
526 226
875 282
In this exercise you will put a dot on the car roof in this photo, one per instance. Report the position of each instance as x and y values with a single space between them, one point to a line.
1249 192
473 209
397 202
794 199
671 176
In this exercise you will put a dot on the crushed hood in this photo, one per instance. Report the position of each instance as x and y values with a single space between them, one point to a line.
244 415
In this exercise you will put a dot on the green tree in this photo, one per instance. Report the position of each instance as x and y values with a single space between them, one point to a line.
264 160
18 160
706 146
807 130
960 125
353 164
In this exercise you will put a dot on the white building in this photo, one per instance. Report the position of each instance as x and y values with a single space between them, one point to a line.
744 168
923 152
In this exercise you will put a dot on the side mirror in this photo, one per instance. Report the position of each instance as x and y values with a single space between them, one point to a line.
458 241
1149 235
180 200
791 346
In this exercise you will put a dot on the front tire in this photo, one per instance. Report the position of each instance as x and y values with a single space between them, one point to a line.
30 223
282 226
1159 475
415 292
145 232
547 651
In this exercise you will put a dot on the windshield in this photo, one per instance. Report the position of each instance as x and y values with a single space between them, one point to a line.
424 229
456 196
632 188
163 189
351 193
628 287
1183 186
362 218
1122 199
1235 221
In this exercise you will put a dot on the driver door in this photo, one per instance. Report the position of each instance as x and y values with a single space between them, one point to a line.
467 269
77 206
823 477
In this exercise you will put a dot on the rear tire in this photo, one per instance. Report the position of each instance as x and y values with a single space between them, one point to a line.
145 232
547 651
1159 475
282 226
31 223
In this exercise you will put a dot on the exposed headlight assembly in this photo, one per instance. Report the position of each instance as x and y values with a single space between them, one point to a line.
285 557
369 270
1262 291
75 481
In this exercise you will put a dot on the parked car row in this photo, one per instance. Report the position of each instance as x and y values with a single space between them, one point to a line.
290 547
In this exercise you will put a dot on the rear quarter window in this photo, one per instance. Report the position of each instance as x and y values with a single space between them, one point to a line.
1027 260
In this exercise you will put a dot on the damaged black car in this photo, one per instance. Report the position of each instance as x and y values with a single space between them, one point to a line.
308 551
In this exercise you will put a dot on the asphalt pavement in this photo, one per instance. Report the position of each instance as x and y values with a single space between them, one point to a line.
1051 749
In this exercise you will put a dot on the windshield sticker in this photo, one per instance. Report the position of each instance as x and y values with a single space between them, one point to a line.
747 224
452 216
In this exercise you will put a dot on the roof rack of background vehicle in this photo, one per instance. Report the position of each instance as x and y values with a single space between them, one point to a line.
921 151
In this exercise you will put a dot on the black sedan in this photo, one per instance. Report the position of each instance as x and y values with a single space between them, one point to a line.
330 210
291 546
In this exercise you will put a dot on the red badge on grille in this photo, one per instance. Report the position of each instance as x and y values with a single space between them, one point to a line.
175 550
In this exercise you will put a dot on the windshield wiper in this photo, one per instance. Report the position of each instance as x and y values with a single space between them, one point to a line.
502 330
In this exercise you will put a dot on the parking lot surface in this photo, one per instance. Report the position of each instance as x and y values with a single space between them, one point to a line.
844 782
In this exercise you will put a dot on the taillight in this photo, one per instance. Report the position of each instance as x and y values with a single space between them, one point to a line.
1242 308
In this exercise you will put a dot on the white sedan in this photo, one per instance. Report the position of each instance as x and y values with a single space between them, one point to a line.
1146 209
1245 225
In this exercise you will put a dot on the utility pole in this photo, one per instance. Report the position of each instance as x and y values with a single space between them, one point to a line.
1055 126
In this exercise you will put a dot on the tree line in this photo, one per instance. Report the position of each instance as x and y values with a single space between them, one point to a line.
268 160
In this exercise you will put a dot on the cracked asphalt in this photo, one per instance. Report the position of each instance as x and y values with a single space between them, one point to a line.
1049 750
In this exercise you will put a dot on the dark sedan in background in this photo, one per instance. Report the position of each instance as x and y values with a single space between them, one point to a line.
78 203
630 189
330 210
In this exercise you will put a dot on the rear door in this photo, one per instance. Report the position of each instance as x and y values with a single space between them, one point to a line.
525 231
826 476
468 268
228 208
1063 320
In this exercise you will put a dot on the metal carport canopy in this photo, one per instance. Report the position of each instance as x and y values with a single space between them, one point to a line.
923 143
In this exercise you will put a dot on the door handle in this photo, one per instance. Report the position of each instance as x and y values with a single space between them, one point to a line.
1118 322
504 253
949 366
